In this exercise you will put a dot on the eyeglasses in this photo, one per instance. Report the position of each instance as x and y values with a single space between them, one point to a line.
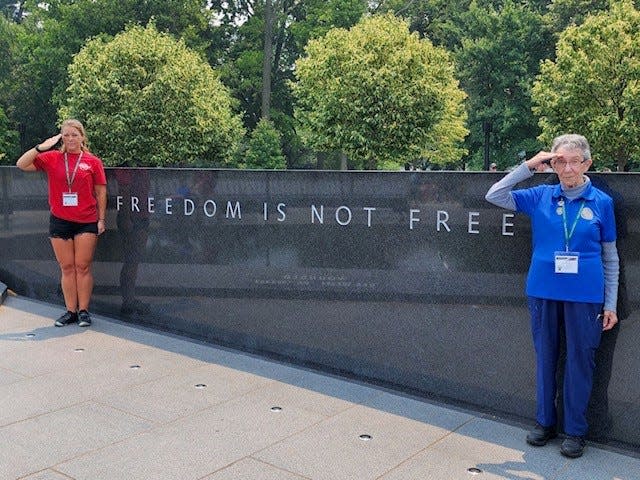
571 163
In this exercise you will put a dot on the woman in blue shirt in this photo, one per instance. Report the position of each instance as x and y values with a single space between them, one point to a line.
572 282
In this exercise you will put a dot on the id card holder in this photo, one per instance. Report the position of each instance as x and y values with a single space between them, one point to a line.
69 199
567 262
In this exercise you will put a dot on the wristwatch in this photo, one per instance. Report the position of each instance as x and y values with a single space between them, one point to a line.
37 147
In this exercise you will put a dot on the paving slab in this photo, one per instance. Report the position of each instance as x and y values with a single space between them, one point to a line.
39 442
46 475
361 442
194 446
250 468
117 401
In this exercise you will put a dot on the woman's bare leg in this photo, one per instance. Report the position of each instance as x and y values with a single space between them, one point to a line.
65 255
85 246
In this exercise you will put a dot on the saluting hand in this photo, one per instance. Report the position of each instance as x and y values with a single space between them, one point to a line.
50 142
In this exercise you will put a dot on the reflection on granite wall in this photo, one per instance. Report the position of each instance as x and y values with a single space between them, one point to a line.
408 279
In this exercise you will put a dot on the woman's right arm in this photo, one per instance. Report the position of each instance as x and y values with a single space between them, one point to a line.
25 162
500 192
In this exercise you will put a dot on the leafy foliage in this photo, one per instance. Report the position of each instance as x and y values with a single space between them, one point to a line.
379 94
146 99
8 141
497 62
264 148
497 47
54 31
593 86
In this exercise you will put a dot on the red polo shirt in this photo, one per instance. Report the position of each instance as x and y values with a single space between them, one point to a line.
90 173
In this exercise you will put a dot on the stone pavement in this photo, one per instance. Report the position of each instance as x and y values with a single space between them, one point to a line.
117 401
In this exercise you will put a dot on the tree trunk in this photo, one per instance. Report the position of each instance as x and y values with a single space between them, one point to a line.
268 53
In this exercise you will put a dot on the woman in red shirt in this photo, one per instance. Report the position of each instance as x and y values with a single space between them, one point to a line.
78 203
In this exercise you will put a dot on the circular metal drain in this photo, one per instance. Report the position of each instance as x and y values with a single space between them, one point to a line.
474 471
30 335
201 385
135 367
276 409
79 350
365 437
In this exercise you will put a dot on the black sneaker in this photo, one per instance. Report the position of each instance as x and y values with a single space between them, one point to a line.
572 447
84 319
540 435
66 319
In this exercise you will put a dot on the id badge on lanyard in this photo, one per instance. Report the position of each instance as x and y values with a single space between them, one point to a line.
70 199
567 262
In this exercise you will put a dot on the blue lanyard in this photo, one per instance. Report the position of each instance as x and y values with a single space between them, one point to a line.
568 234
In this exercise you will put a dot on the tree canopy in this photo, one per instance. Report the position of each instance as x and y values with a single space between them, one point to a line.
146 99
497 61
593 88
379 94
264 149
496 48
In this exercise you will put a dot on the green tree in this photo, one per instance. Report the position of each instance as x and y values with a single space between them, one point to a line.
438 20
9 138
8 141
564 13
264 148
497 60
146 99
379 94
238 49
593 88
56 30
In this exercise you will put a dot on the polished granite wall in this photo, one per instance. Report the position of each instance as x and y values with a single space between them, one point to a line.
407 279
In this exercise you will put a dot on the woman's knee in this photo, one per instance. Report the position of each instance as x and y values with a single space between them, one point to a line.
67 269
83 269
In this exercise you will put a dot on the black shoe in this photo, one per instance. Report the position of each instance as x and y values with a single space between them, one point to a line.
66 319
572 447
540 435
84 319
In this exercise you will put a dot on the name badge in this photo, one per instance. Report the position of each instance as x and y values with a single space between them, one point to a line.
69 199
567 262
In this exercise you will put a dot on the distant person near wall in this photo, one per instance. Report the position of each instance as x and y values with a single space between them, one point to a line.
78 204
572 284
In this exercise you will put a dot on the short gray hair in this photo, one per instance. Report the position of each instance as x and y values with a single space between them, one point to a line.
572 140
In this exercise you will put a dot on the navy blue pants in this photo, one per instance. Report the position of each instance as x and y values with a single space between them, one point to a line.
582 329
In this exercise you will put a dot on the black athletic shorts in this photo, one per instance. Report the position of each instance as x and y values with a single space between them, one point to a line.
65 229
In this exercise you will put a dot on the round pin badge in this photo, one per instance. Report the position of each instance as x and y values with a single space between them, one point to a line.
559 210
587 213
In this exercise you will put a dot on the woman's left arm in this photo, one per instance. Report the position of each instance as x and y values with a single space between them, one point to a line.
101 197
611 264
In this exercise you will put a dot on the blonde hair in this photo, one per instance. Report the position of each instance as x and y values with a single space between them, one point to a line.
73 123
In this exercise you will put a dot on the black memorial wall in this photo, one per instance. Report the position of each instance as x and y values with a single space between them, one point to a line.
407 279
